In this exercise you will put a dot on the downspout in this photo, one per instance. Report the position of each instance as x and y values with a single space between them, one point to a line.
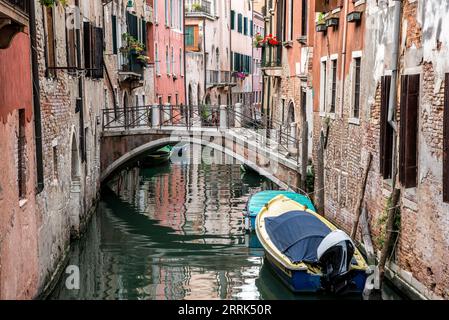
392 103
36 100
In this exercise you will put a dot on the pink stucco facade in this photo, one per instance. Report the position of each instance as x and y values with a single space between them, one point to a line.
168 34
18 218
259 27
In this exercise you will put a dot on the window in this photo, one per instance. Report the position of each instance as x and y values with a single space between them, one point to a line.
323 85
180 14
290 21
386 131
55 163
239 23
232 19
180 63
217 58
169 100
304 18
21 148
334 86
51 42
155 6
191 38
114 35
93 50
167 60
173 62
251 28
172 15
156 54
446 141
245 26
408 147
166 12
356 86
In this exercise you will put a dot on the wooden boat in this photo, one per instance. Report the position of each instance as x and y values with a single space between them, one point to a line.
158 157
307 252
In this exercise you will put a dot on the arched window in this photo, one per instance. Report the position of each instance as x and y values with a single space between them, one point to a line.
291 113
173 62
156 55
167 60
181 71
217 58
190 98
75 170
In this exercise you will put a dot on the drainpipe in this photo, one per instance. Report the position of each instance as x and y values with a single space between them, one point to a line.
36 100
392 103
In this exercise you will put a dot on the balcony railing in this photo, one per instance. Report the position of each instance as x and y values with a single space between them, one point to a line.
215 77
202 6
129 63
272 57
22 5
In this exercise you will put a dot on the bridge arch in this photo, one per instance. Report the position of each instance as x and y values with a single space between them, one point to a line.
175 139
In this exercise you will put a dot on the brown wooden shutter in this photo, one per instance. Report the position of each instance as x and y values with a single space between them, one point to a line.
98 53
87 47
446 141
408 157
386 131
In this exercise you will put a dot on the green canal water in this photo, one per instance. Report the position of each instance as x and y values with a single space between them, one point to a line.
174 232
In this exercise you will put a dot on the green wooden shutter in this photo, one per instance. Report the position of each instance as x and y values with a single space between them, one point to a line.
114 35
245 26
232 19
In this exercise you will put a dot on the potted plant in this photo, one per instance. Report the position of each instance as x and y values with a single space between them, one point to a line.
51 3
270 40
196 7
144 60
321 23
258 41
240 75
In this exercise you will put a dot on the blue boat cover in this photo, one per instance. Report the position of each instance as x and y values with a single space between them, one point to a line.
258 200
297 234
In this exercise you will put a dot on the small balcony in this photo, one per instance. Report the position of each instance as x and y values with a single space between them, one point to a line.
199 8
22 5
130 70
272 61
215 78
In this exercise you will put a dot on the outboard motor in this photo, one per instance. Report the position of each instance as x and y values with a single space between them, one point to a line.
334 254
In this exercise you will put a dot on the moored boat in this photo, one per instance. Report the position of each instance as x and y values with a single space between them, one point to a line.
158 157
307 252
258 200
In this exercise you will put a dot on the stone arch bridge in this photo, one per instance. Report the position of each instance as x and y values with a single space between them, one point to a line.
225 130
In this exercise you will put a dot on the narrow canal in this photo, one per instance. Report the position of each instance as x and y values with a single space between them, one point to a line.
174 231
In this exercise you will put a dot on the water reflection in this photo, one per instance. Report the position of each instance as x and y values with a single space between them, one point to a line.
173 232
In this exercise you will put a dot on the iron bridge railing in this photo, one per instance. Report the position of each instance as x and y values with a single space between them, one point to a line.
201 116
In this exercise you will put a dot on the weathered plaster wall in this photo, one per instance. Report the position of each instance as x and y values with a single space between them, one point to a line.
61 208
18 223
